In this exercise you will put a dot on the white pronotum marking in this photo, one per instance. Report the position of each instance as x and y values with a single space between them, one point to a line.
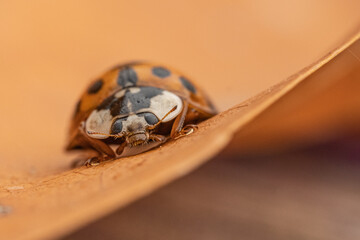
160 105
101 120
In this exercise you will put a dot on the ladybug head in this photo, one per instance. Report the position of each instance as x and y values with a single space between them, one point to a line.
135 128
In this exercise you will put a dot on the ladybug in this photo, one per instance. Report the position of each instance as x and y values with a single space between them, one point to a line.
138 106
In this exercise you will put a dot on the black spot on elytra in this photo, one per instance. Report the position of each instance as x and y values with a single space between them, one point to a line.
160 72
187 84
95 87
127 77
117 126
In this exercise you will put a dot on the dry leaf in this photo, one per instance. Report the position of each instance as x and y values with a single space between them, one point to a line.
324 107
48 53
307 194
48 206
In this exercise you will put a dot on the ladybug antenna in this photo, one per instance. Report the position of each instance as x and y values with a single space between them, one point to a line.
104 134
154 126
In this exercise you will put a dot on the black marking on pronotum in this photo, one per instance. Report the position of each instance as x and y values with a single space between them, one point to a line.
119 106
130 102
127 77
142 99
115 105
187 84
160 72
95 87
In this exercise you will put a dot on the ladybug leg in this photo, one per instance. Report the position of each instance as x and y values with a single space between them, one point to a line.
178 130
94 161
104 150
187 130
158 138
120 149
90 160
84 158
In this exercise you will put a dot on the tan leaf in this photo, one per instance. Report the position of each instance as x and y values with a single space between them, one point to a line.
47 206
324 107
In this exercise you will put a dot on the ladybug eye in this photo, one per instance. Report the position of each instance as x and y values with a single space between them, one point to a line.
117 126
150 118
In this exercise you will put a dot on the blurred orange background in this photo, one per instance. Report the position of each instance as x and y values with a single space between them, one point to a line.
49 51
